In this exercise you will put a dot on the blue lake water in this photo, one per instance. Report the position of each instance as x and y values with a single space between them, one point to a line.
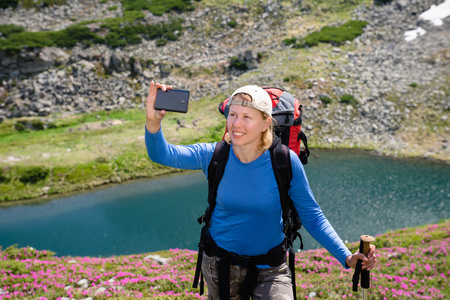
358 192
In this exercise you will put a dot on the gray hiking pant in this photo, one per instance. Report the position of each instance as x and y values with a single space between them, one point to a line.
273 283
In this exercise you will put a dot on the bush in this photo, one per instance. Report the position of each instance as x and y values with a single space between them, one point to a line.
325 100
349 99
32 174
20 126
9 29
334 35
289 42
119 36
14 253
157 7
161 42
69 37
9 3
382 2
37 125
3 178
235 63
232 23
291 78
122 31
413 85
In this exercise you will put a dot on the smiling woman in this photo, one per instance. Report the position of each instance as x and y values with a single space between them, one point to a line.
244 234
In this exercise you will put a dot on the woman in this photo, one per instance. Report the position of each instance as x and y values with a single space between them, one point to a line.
247 217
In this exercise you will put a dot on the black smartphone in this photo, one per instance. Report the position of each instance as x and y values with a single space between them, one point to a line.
172 100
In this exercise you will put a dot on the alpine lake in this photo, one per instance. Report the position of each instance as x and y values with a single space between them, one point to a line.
360 194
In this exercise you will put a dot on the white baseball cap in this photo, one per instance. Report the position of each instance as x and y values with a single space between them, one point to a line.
260 99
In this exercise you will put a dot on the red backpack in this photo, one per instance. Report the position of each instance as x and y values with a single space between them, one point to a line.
287 112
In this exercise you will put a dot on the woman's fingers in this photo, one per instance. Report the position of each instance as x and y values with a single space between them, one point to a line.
370 261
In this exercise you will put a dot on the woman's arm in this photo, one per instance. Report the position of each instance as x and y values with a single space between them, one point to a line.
192 157
317 224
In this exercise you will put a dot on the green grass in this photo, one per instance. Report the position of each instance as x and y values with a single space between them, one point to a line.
65 157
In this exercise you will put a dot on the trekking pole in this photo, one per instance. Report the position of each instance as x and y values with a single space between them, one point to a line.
364 247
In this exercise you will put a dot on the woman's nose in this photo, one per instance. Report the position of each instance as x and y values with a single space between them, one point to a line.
237 122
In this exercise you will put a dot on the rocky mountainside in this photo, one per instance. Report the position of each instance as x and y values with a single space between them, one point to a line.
401 87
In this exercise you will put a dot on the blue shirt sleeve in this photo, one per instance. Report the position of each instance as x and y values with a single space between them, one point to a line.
311 214
191 157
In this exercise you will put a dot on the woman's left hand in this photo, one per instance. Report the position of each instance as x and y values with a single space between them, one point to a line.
368 263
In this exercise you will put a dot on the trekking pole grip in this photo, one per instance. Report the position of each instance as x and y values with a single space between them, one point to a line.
364 248
365 241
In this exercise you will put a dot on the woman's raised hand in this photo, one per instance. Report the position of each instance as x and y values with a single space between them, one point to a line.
154 117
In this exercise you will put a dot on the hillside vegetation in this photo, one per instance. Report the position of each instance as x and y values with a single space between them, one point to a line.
412 265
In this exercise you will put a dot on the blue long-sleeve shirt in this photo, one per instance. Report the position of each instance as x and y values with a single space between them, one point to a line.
247 219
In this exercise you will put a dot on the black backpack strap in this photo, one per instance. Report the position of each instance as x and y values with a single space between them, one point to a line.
281 164
216 169
303 155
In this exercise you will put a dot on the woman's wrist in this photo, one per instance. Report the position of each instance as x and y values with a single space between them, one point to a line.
153 127
347 261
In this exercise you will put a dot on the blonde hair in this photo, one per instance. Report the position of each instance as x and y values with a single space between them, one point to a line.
266 136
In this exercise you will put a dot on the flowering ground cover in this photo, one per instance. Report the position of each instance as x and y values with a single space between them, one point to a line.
413 265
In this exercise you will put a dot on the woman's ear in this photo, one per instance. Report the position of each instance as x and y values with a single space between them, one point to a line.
266 124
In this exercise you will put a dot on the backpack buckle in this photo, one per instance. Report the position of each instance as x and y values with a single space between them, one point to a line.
239 260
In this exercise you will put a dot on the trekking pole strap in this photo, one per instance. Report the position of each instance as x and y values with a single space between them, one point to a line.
292 268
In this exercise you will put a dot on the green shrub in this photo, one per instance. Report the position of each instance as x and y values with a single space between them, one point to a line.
65 38
382 2
413 85
112 8
237 64
37 125
9 3
232 23
158 7
120 35
291 78
15 267
71 35
32 174
20 126
349 99
14 253
3 177
9 29
289 42
161 42
42 3
334 35
325 100
122 31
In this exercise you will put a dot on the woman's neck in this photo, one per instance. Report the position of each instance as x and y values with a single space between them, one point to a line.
246 154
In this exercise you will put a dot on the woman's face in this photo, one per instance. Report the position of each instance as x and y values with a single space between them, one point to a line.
246 125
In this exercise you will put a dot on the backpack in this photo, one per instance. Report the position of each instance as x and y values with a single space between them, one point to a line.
288 114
